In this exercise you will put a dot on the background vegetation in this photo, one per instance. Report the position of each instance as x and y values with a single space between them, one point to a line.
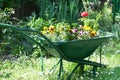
44 13
39 13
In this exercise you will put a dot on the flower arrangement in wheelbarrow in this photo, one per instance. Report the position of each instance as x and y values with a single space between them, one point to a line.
86 29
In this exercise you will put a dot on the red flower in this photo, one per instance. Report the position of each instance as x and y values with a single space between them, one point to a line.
84 14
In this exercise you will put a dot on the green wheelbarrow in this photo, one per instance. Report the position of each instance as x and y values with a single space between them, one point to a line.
74 51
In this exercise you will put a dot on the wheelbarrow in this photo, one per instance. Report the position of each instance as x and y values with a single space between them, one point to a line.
74 51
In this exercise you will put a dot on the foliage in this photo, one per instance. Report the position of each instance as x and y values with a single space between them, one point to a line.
66 10
60 14
5 15
4 18
22 8
55 16
115 9
1 3
102 15
61 10
117 18
116 6
105 18
12 42
115 28
38 23
88 28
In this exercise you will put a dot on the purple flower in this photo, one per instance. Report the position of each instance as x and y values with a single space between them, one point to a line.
75 30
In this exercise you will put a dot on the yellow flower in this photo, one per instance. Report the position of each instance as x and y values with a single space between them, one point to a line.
93 33
70 30
87 28
51 28
45 28
44 32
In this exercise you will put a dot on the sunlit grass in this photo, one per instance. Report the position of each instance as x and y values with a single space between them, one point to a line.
25 68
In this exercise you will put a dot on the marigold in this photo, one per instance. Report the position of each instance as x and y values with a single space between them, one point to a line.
51 28
93 33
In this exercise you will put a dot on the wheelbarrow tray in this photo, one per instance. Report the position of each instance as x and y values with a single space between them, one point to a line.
75 49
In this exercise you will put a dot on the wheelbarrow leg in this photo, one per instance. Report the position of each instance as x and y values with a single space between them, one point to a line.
94 70
41 61
55 65
60 69
81 69
42 64
69 77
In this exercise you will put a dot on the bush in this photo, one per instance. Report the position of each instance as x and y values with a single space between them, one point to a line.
11 41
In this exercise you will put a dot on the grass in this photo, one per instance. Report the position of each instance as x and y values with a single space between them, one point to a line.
27 68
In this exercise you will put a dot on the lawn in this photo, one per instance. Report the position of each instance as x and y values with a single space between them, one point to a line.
28 68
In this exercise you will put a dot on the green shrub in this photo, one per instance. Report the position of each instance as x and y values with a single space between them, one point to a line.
11 41
61 10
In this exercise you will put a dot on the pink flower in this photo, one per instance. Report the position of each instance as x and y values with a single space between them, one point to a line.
80 26
81 33
84 14
75 30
